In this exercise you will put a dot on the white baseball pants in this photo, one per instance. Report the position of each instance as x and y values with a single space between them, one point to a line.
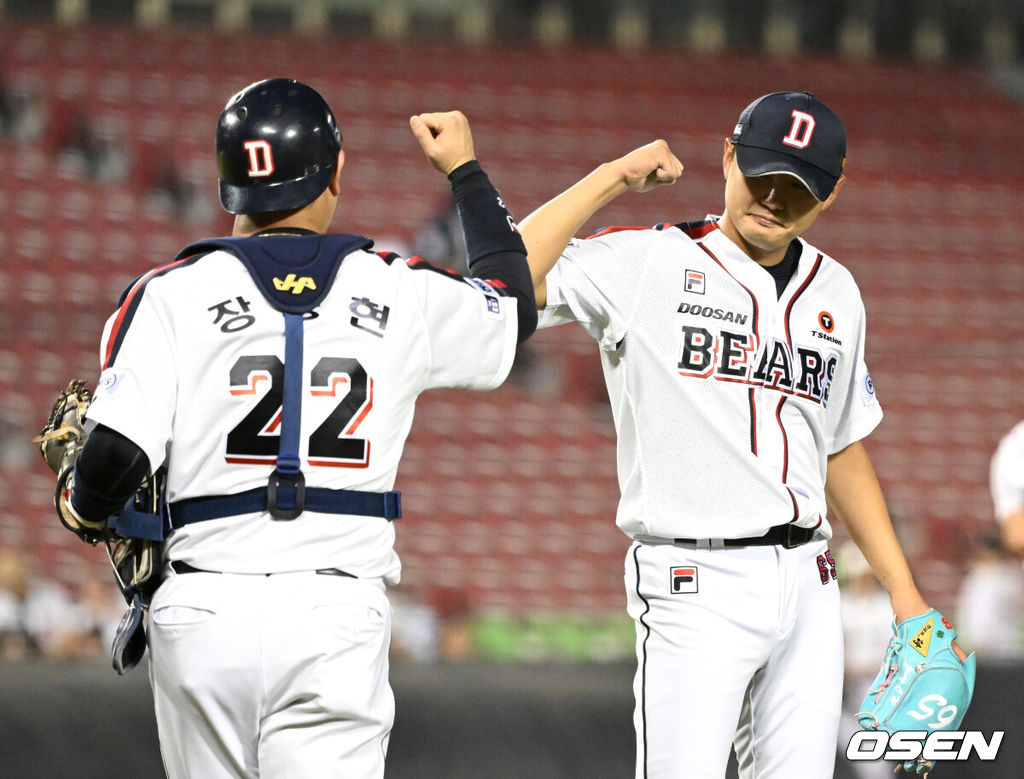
282 676
739 646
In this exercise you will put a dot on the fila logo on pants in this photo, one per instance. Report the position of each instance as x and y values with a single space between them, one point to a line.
682 579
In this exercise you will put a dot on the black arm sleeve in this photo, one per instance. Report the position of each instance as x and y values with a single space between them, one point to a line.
108 472
494 247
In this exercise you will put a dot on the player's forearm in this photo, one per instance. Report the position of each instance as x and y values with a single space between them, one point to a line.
548 230
107 473
494 248
855 497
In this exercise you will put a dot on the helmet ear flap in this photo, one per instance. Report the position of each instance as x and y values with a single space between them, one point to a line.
277 147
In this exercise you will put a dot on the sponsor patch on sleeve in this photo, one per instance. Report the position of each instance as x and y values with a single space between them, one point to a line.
492 306
868 389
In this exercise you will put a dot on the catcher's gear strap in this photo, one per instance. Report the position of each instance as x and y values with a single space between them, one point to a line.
108 472
387 505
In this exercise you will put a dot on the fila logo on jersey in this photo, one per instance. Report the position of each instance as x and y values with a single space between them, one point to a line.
261 158
683 579
694 282
297 285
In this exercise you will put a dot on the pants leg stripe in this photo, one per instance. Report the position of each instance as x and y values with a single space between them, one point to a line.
643 660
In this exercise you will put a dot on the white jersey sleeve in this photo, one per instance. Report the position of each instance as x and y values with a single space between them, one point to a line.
595 283
1006 473
853 410
137 396
462 321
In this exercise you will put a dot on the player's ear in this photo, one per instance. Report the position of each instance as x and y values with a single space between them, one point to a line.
728 155
835 191
335 183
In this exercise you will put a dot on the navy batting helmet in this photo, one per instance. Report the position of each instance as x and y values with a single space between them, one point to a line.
277 147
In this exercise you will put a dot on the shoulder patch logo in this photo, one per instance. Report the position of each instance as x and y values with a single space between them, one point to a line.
491 305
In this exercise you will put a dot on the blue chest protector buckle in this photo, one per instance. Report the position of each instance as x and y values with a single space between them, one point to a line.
286 494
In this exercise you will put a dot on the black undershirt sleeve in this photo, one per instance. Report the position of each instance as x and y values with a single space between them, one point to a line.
494 246
108 472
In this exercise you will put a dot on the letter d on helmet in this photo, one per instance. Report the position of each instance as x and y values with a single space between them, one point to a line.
277 147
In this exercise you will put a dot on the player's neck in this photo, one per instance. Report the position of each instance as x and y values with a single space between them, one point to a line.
246 226
316 216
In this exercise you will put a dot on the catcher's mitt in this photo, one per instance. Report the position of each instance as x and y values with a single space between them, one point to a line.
132 536
922 685
63 435
60 442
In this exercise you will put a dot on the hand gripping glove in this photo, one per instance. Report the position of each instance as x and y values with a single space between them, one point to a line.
922 684
60 442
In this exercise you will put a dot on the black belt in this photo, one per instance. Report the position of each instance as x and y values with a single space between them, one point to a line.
786 536
180 566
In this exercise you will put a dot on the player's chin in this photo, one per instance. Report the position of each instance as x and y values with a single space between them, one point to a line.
767 237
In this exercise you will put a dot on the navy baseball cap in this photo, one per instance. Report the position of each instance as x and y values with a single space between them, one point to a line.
794 133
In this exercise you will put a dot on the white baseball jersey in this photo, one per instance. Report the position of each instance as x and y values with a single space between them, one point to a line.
727 399
1006 476
192 373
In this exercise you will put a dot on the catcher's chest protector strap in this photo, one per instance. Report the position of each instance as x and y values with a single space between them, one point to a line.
294 273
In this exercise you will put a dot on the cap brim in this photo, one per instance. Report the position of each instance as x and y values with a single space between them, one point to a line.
284 196
754 161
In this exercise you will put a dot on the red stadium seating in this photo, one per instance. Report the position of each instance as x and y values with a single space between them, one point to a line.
511 495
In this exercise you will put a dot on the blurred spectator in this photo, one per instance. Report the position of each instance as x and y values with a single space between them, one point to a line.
867 627
441 630
440 241
1006 480
85 153
415 630
174 196
990 605
22 117
457 641
39 620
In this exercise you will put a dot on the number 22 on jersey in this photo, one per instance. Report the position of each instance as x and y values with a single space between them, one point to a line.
256 439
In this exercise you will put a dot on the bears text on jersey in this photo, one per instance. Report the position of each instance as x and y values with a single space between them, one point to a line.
726 356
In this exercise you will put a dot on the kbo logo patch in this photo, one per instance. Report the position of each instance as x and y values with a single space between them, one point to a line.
682 579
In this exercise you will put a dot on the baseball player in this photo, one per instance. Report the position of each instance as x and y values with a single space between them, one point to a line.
733 352
272 375
1006 479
